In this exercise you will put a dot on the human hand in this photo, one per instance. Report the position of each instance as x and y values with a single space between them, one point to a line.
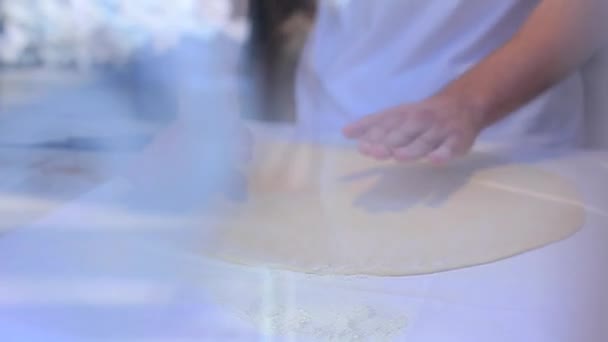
438 129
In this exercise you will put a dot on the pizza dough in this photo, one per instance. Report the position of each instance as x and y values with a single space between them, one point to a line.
331 211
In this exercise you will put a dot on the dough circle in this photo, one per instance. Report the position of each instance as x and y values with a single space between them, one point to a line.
328 210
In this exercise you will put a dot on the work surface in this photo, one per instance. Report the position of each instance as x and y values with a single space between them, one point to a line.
65 277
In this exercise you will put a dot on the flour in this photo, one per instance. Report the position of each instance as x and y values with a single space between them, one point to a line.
290 306
347 323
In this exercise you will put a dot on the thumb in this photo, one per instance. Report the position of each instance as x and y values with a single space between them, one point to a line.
358 128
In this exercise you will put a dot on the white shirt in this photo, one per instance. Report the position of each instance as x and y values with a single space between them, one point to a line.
366 56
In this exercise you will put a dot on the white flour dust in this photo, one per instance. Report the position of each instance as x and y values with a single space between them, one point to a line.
354 323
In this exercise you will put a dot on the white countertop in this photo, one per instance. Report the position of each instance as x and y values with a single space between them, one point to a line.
71 272
67 278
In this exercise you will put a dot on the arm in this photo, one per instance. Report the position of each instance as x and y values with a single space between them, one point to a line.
557 38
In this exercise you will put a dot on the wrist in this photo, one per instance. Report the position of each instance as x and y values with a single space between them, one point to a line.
470 104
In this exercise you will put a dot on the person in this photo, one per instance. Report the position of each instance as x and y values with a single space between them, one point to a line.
427 79
409 79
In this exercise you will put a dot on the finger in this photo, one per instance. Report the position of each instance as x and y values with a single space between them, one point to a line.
358 128
462 144
374 134
378 131
420 147
375 151
365 148
444 153
404 134
380 152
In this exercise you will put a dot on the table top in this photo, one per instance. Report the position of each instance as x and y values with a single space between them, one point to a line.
64 276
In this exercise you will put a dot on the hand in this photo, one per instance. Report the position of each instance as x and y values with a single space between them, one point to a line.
439 129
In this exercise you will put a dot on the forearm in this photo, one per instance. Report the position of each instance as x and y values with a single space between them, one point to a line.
558 37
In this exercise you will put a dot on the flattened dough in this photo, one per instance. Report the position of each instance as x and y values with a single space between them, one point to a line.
331 211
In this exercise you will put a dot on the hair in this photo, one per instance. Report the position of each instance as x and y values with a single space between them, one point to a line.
278 31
